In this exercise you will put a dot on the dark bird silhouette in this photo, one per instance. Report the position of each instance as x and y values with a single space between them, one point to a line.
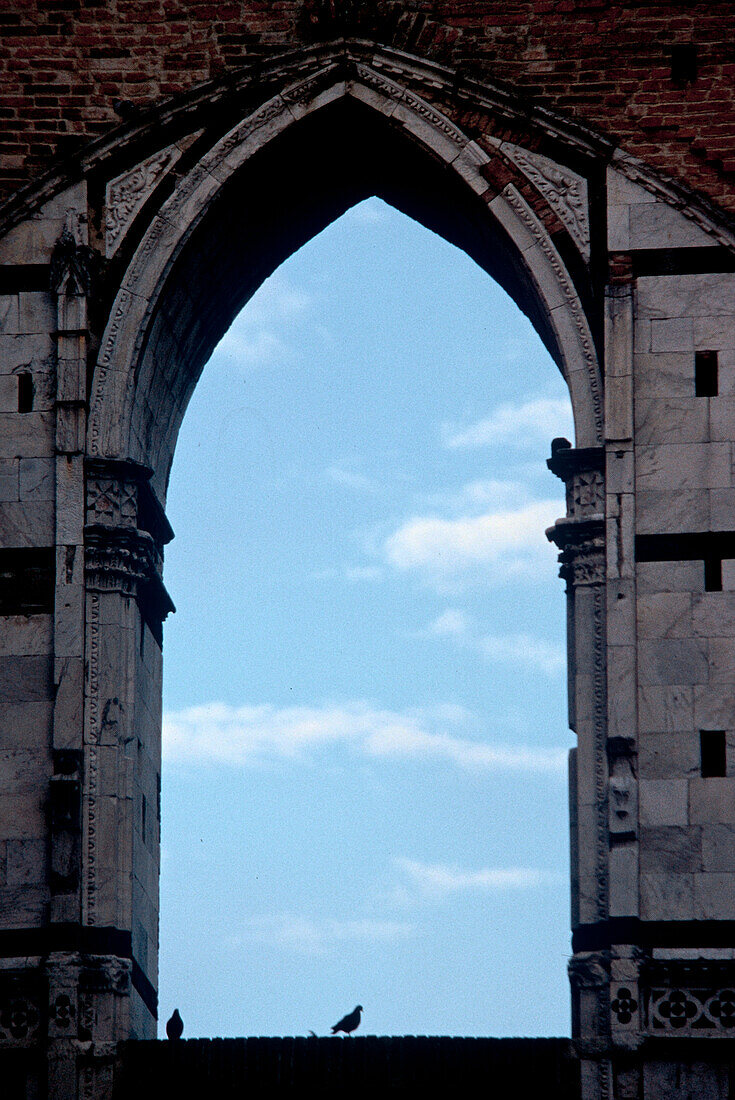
348 1023
175 1026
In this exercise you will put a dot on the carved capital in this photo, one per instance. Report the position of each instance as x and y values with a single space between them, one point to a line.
582 545
581 535
118 559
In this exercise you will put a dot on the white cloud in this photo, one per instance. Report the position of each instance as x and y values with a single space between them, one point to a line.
260 334
518 649
308 935
439 879
540 418
216 733
503 544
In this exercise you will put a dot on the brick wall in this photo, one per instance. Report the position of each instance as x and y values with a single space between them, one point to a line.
66 64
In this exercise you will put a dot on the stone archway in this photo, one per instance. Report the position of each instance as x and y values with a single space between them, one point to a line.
151 249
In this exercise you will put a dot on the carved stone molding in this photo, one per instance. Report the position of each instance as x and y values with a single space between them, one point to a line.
126 194
564 190
582 545
112 500
571 299
400 94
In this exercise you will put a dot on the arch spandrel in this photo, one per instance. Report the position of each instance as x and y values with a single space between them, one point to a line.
156 303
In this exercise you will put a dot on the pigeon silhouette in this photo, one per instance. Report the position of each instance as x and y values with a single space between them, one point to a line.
348 1023
175 1026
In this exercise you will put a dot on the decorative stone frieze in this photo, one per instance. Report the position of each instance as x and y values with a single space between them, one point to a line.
694 1011
690 997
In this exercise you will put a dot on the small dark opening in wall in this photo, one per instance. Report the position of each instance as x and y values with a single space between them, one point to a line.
684 63
713 747
713 574
706 382
25 392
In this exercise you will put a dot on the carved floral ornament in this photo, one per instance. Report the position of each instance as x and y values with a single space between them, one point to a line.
126 194
564 190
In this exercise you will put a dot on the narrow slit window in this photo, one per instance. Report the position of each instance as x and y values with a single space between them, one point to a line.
25 392
713 574
684 63
713 749
706 383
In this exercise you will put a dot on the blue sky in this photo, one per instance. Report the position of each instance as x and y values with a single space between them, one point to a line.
365 735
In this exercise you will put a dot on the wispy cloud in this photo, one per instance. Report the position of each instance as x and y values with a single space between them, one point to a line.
438 880
371 211
261 334
352 479
500 545
217 733
478 495
517 425
523 649
316 936
518 649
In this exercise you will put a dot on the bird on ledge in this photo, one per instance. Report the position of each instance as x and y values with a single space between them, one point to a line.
348 1023
175 1026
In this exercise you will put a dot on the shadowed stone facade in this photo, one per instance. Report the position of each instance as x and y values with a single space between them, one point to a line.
125 255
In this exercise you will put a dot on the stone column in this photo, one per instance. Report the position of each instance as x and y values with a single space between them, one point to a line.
126 604
581 539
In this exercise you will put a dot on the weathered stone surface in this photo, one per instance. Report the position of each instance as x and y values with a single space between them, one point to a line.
669 755
675 850
712 800
26 862
673 661
665 709
718 848
667 896
25 679
663 801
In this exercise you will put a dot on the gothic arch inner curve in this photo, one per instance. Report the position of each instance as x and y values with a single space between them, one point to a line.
273 182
